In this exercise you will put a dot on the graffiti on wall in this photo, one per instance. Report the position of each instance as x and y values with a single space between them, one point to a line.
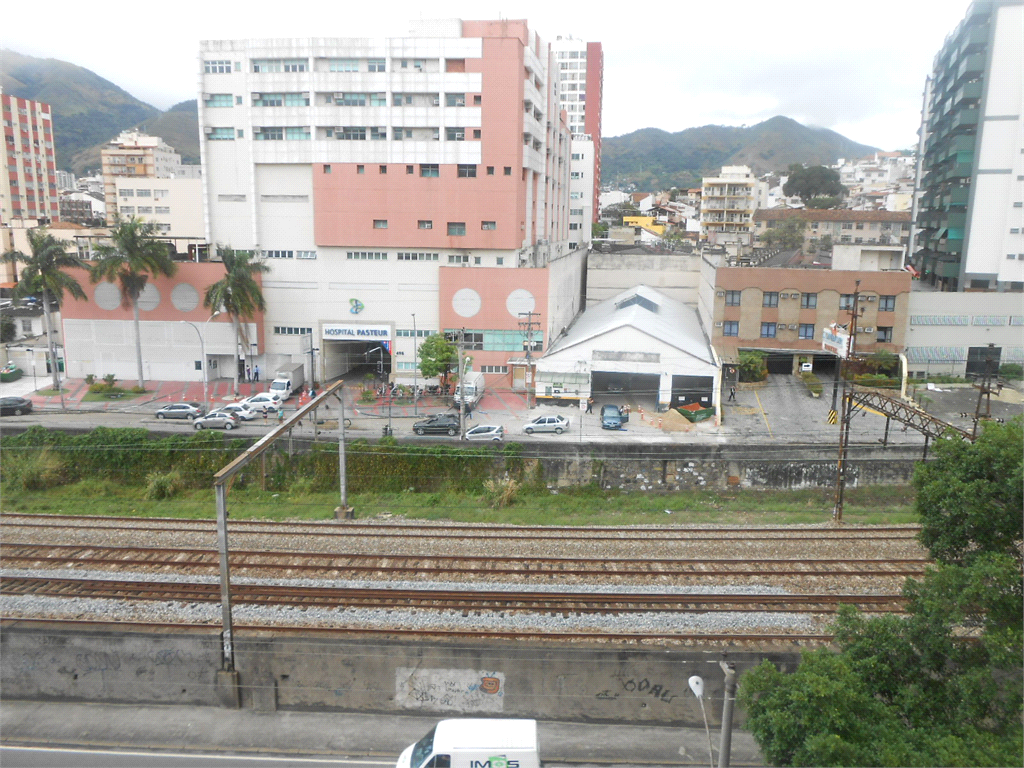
450 690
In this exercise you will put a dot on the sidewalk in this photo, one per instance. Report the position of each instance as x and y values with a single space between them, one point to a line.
209 729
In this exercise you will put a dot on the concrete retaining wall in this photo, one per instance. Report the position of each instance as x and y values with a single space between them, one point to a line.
322 673
672 467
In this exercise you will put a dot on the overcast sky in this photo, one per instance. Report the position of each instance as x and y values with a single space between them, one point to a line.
856 67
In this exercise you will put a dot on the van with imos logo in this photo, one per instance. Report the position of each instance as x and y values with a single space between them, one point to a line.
475 743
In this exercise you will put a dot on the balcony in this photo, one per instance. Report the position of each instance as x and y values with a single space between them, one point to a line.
971 67
970 93
957 197
965 120
974 39
957 171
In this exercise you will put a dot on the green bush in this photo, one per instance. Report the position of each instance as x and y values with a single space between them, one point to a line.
502 492
1011 371
367 396
137 390
812 382
41 471
163 485
753 366
876 380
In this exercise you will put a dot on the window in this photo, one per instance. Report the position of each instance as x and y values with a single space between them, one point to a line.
378 134
477 100
886 303
884 335
343 65
128 210
282 330
576 175
807 331
429 170
162 210
327 169
305 254
241 133
425 224
350 100
476 133
221 134
493 369
269 134
297 133
375 65
279 254
382 169
238 101
219 100
860 225
488 225
808 301
456 228
455 99
768 330
352 133
574 226
467 171
417 257
847 225
458 259
294 65
846 301
410 169
366 256
360 169
126 192
770 299
143 193
455 134
266 65
731 328
508 170
380 223
216 67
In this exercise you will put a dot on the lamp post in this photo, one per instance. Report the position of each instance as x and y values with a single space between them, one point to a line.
415 368
202 352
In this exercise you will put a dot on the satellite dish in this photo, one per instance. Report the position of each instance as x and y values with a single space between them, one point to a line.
697 686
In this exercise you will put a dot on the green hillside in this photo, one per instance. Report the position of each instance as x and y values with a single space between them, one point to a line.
87 109
655 159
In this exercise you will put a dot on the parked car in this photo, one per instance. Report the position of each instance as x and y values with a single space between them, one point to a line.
442 423
494 432
612 417
556 424
15 406
188 411
217 420
263 402
241 411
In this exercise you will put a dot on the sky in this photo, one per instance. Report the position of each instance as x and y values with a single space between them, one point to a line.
857 68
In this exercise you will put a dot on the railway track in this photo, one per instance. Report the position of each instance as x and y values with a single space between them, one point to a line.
555 603
319 564
406 530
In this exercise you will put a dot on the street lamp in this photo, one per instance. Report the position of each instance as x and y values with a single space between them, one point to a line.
415 368
202 352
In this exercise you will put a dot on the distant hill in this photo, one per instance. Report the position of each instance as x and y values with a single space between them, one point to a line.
87 109
656 159
178 126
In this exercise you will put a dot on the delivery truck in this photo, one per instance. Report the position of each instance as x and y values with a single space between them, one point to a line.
471 387
288 380
475 743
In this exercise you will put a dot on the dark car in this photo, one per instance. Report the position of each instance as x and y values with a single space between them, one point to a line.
14 406
181 411
612 417
442 424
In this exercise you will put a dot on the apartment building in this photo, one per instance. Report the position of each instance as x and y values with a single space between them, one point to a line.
971 209
175 205
135 155
28 182
580 94
728 203
383 179
841 226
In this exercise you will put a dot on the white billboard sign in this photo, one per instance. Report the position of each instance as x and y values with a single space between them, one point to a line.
357 332
836 340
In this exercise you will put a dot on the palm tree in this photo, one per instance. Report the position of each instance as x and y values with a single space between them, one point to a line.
237 293
43 272
131 257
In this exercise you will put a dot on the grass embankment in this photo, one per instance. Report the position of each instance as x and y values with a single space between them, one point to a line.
876 505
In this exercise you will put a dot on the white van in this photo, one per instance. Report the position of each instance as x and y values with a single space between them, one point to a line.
475 743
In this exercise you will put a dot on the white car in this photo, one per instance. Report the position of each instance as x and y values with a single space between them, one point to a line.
494 432
217 420
241 411
263 402
556 424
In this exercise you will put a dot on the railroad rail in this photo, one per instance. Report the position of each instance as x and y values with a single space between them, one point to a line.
322 564
466 601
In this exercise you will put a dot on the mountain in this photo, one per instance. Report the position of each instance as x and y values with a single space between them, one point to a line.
178 126
655 159
87 109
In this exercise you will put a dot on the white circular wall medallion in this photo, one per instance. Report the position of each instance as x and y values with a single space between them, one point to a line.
520 301
107 296
149 299
466 302
184 297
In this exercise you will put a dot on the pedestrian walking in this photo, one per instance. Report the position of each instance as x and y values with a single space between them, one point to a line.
255 373
590 405
732 393
265 416
248 373
280 416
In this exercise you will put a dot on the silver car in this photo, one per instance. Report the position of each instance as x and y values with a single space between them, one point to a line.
188 411
217 420
556 424
241 411
494 432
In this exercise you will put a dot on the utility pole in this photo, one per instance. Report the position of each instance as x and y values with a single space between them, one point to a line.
415 368
527 326
460 390
847 409
725 744
984 392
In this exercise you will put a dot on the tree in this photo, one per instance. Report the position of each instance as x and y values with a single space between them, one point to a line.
752 365
816 181
823 201
238 294
43 272
941 686
438 357
788 234
130 258
7 329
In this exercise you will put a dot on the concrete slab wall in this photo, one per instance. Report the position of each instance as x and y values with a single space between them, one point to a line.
317 672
